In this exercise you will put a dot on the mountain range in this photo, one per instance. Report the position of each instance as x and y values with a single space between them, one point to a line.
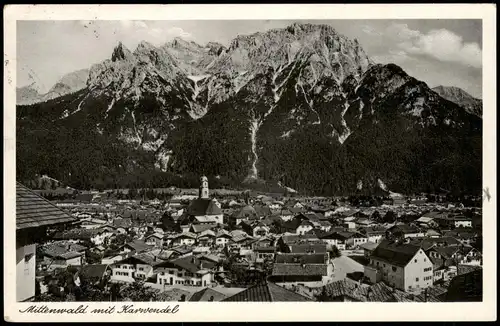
301 106
69 83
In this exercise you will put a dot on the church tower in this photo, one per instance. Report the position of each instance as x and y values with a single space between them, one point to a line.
203 188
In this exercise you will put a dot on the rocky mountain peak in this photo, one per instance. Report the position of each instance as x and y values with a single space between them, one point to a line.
459 96
120 52
301 104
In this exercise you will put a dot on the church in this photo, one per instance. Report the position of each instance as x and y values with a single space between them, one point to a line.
203 210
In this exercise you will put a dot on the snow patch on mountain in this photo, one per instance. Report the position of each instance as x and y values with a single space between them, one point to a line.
163 157
383 186
288 189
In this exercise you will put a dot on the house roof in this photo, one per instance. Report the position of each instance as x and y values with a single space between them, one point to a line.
191 264
300 269
404 228
447 252
308 248
466 287
138 245
203 206
369 245
182 249
398 254
207 233
33 210
206 294
145 258
223 233
266 292
122 222
427 243
155 235
93 271
61 249
185 235
342 288
206 219
293 258
198 228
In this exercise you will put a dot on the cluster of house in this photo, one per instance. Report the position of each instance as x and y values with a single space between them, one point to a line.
186 245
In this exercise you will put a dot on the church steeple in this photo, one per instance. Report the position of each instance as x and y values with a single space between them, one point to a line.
203 194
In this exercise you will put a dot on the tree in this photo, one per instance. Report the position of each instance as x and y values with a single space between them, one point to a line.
334 252
138 292
389 217
92 257
376 216
277 226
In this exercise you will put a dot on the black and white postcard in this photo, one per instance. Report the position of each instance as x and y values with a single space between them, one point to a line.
167 163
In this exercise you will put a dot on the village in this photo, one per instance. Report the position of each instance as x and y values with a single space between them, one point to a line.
247 247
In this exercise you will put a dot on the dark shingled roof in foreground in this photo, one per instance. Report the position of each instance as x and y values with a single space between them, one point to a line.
266 292
205 294
33 210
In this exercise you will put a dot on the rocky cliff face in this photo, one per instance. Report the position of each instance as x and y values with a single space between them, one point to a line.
462 98
302 105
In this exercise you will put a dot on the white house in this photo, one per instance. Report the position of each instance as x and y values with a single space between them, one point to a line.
401 265
155 239
33 215
222 238
137 267
334 239
186 238
304 227
189 271
463 222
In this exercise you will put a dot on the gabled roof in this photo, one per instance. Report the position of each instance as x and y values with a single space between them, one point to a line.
33 210
222 233
203 206
207 233
137 245
155 235
93 271
185 235
182 249
266 292
369 245
404 228
300 258
308 248
198 228
191 264
343 288
398 254
300 269
61 249
145 258
206 294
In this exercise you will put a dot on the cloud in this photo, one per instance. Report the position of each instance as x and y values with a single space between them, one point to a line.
440 44
370 30
178 32
138 24
394 56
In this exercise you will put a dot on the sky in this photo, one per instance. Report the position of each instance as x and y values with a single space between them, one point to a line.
438 52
